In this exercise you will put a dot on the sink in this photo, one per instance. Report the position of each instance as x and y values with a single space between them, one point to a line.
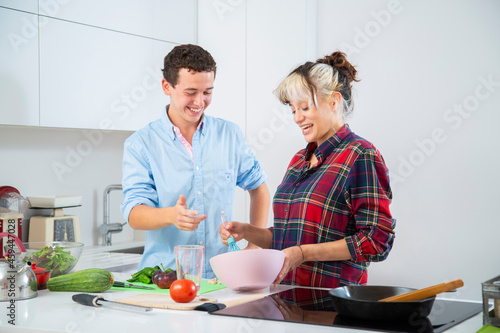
115 261
135 250
121 265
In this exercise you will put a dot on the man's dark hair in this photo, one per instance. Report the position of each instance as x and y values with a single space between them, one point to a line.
192 57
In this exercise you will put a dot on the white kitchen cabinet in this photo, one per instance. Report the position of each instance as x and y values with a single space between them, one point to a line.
100 79
30 6
168 20
19 98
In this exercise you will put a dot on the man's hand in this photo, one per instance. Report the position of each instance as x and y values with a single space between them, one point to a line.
187 220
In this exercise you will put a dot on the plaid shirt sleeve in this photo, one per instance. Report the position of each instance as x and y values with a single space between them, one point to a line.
368 195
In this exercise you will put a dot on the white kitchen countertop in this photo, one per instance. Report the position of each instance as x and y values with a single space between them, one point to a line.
57 312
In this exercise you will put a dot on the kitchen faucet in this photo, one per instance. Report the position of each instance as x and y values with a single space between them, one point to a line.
106 229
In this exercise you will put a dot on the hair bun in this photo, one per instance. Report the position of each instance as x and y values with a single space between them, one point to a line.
338 60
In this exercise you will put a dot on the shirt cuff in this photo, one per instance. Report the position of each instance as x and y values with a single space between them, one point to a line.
127 207
354 249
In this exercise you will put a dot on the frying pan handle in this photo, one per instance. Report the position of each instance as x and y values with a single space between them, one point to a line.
416 295
16 239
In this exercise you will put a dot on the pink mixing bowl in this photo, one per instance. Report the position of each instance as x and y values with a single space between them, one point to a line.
248 269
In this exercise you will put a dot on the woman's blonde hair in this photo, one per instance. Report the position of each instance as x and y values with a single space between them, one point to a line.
327 75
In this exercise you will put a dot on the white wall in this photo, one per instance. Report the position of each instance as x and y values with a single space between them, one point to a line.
415 63
254 52
419 62
277 35
222 31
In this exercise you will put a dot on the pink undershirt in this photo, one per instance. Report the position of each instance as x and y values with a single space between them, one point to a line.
185 142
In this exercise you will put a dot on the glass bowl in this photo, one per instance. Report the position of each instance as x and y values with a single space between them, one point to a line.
57 257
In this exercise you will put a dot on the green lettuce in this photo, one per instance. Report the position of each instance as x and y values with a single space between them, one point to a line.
54 259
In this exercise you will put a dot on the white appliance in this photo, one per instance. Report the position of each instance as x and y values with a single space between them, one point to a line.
56 227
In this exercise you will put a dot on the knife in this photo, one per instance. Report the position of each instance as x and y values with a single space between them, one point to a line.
98 301
129 285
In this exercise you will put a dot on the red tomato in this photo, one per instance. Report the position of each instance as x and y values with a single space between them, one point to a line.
183 291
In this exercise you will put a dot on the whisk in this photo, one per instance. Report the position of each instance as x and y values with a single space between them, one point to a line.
230 241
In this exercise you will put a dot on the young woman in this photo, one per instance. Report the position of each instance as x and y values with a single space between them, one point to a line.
331 211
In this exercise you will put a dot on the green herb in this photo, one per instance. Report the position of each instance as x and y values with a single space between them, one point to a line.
56 260
144 279
144 275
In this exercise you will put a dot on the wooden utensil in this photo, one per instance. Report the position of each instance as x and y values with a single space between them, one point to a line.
419 294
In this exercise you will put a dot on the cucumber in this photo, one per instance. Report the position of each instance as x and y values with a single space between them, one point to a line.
94 280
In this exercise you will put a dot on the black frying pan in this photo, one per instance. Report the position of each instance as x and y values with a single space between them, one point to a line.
362 302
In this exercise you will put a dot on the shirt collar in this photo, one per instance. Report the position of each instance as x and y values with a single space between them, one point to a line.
327 147
169 125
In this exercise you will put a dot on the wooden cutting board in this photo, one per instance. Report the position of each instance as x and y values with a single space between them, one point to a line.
163 301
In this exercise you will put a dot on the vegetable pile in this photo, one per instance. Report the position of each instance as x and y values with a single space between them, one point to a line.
55 259
161 278
181 291
144 275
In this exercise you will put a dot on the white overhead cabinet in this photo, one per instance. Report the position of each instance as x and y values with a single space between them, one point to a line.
88 63
97 78
19 99
30 6
168 20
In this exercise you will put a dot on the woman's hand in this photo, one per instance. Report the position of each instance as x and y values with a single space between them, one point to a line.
293 259
235 229
251 246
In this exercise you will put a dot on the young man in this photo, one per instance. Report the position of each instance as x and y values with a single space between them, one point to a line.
181 170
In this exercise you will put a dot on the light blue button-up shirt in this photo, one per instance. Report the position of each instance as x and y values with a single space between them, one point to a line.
157 168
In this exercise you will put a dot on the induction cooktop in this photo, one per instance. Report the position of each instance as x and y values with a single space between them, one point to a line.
314 306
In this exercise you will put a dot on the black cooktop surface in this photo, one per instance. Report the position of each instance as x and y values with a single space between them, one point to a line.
314 306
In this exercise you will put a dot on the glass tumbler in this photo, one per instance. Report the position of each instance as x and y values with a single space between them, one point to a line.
189 263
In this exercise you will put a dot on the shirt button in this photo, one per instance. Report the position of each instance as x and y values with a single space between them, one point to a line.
199 192
197 168
201 243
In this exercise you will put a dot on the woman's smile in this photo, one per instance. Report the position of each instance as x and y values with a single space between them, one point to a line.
317 122
306 129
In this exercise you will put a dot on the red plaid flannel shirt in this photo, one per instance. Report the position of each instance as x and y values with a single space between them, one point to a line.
346 195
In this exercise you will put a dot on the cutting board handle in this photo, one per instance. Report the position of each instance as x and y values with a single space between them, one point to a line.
419 294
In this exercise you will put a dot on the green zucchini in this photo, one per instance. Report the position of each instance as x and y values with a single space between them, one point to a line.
94 280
